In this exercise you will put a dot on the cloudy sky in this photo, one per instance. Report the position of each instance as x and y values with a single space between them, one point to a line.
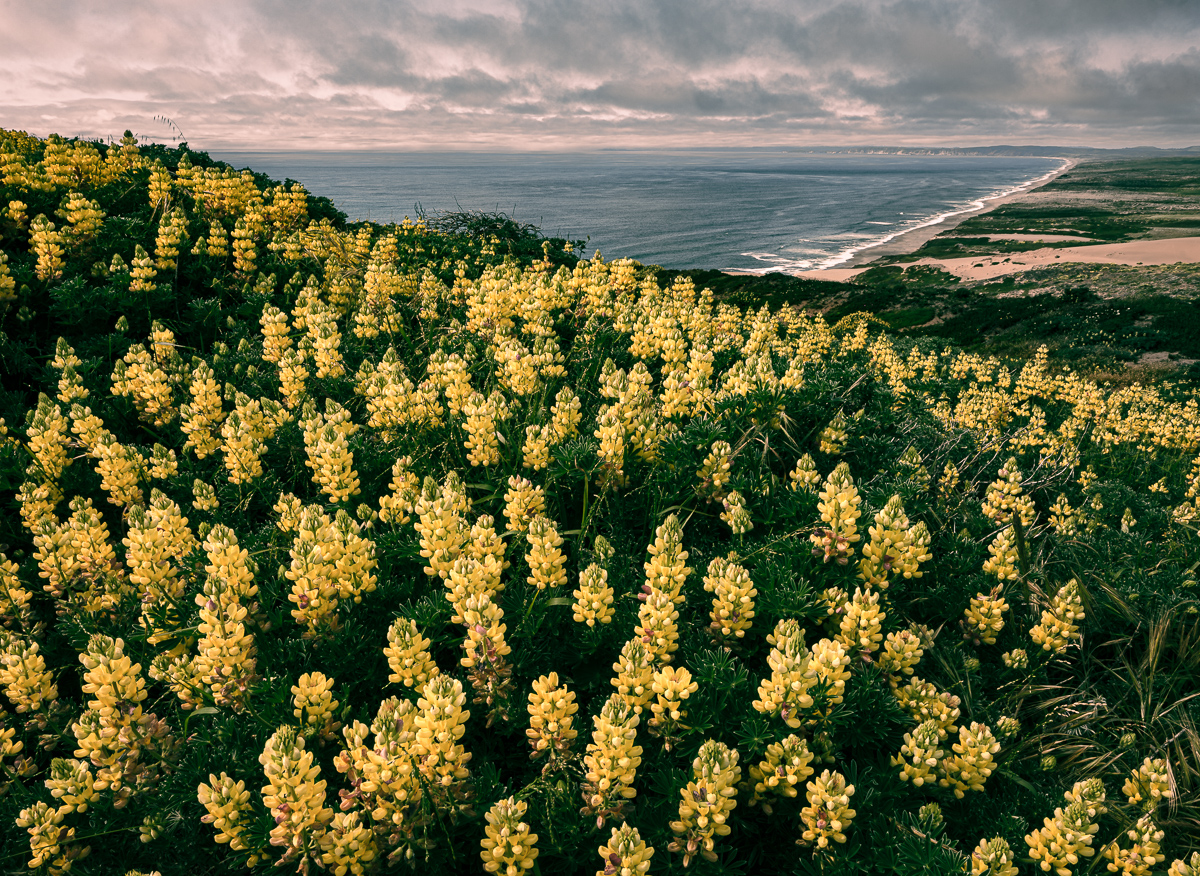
555 74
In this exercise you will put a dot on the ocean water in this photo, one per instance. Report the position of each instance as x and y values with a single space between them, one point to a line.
746 210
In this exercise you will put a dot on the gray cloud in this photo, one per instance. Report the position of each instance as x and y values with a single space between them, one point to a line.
552 74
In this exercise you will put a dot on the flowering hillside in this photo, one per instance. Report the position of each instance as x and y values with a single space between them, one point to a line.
351 548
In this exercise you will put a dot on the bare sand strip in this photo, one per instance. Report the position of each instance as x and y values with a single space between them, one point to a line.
1177 250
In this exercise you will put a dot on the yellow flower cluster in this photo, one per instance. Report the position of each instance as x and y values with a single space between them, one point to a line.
828 812
1139 859
327 443
484 652
671 686
971 764
993 857
985 617
509 847
52 845
834 436
805 475
482 419
733 599
706 802
736 514
1003 557
204 413
442 527
1059 627
314 706
786 692
594 598
714 471
1067 836
625 853
295 796
862 622
225 660
114 732
435 747
547 564
331 562
27 683
1149 785
611 762
551 715
227 809
901 652
522 502
408 655
1006 497
634 678
785 767
667 569
840 512
921 755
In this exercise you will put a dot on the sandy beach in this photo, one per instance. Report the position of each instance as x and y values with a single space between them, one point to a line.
1171 251
1156 251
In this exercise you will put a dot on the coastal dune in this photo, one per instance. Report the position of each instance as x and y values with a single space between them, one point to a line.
1178 250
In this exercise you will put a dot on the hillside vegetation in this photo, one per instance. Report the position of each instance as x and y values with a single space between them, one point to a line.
434 548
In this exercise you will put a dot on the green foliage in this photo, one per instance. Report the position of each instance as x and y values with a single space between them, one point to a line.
932 428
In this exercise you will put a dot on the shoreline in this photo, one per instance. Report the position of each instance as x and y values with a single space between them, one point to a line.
911 239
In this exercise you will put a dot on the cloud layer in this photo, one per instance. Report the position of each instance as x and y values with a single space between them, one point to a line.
552 74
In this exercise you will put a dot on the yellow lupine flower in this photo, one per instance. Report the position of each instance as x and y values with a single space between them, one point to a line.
993 857
733 599
785 692
805 475
828 812
1006 497
509 846
522 502
888 545
634 678
985 616
839 507
625 853
295 796
348 846
71 783
706 802
1149 785
861 624
27 682
551 710
1067 836
786 765
671 686
408 655
921 755
435 747
1139 859
1002 556
972 762
594 598
611 762
314 705
1058 627
901 652
546 562
667 568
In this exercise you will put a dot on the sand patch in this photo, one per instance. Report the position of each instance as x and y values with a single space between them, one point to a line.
1170 251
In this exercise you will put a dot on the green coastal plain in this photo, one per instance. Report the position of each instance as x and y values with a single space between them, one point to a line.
343 547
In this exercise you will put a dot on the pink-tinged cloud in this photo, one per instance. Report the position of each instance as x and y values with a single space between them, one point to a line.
538 74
